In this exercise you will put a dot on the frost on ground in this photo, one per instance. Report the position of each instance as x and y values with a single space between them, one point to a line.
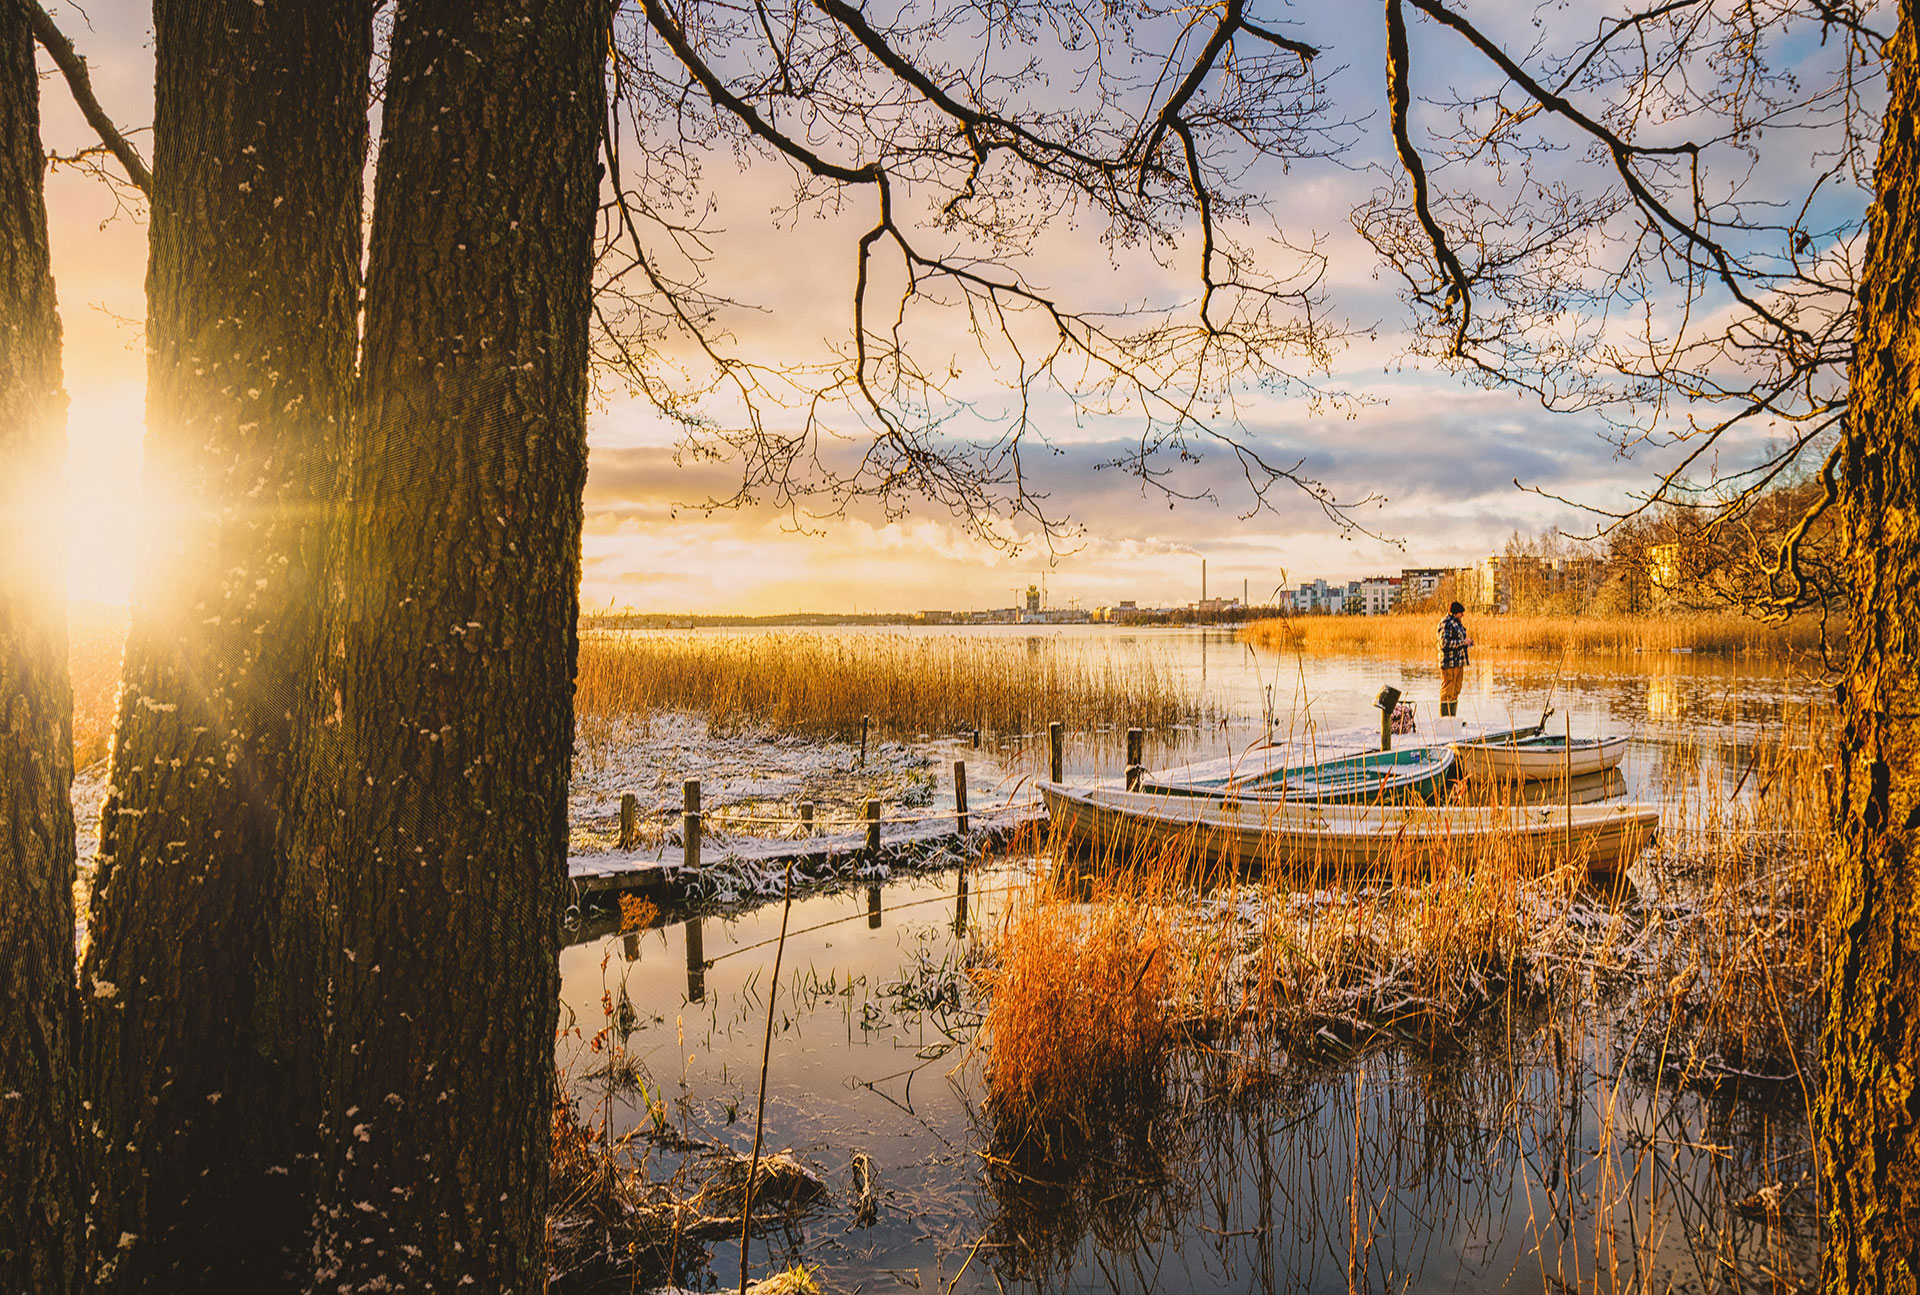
749 775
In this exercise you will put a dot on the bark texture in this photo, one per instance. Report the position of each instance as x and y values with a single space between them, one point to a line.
198 1065
1870 1118
460 571
40 1194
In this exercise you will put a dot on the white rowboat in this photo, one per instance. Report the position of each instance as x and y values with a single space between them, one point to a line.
1540 756
1131 827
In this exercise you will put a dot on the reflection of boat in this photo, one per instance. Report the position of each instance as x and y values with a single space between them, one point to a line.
1346 838
1542 755
1415 774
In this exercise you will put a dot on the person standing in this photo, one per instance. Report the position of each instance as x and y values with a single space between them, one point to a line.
1453 660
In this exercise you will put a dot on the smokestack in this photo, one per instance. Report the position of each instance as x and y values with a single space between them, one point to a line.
1203 580
1243 591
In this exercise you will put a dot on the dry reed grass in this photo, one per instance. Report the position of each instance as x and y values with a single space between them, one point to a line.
1083 998
823 684
1413 634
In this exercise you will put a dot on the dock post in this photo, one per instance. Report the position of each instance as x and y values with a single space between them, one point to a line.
696 962
960 795
806 818
872 813
1386 730
1057 750
1136 749
865 722
690 821
629 820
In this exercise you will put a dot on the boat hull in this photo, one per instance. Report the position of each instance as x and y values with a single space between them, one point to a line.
1138 828
1536 759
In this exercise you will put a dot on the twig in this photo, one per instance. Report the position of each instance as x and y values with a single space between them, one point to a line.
74 68
760 1109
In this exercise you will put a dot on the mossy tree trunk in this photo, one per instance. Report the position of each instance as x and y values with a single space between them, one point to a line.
1870 1119
41 1198
198 1067
460 574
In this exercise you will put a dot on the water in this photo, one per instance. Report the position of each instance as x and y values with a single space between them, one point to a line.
1476 1168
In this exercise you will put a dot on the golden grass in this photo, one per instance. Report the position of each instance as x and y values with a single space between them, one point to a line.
1082 997
1413 634
822 684
1717 966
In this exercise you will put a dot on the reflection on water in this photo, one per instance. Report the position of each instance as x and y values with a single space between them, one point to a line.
1548 1151
1489 1167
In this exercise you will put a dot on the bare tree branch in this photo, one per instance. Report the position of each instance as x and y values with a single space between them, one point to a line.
74 68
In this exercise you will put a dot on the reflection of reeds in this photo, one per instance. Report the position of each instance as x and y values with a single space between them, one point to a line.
823 683
1413 634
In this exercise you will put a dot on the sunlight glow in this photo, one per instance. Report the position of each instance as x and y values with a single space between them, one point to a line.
104 517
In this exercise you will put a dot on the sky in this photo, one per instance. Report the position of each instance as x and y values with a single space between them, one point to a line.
1442 456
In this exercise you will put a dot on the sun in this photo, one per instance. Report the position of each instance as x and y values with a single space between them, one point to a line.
103 513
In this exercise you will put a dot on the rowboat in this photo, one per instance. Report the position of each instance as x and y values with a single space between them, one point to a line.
1543 755
1345 839
1416 775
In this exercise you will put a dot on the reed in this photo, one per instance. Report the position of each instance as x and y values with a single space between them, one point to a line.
1083 998
1412 634
821 684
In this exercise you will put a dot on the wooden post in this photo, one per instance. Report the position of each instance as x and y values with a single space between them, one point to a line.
1386 730
806 818
960 905
873 825
1057 751
690 821
960 794
696 962
873 907
865 722
1136 750
976 739
629 820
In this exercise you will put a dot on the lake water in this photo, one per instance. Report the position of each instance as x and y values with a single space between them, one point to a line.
1484 1167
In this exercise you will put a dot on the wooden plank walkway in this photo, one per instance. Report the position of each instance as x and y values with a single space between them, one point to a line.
659 873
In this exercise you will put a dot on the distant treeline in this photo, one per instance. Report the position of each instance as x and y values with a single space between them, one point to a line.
683 621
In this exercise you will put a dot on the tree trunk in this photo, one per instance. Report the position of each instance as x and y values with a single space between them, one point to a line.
41 1224
1870 1117
202 1098
457 651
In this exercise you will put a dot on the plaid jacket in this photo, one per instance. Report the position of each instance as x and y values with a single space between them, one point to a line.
1453 643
